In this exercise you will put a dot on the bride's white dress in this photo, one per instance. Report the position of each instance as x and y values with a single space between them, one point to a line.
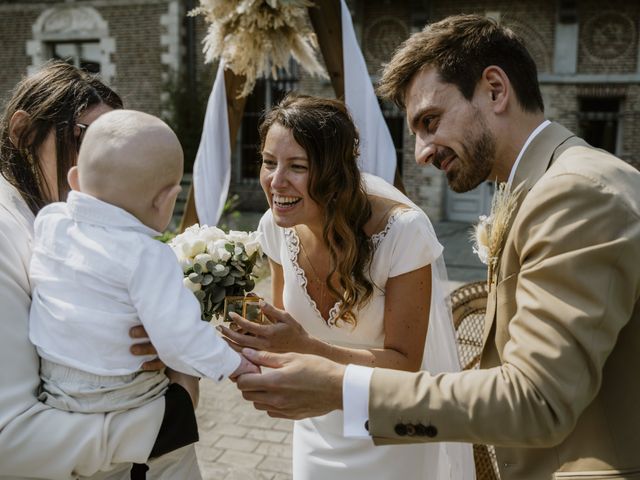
320 451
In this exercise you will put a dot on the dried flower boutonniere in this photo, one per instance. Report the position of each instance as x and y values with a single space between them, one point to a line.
490 232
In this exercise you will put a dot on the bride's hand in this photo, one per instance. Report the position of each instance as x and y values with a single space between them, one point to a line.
284 334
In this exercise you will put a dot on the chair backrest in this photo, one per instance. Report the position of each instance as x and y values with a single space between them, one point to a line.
468 306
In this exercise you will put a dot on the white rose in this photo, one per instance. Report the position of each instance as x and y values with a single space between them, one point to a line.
211 234
252 247
213 251
185 263
237 236
193 248
223 254
202 259
194 287
221 243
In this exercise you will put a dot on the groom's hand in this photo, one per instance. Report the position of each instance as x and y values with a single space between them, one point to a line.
298 386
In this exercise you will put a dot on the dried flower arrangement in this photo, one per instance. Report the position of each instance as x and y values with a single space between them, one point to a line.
255 38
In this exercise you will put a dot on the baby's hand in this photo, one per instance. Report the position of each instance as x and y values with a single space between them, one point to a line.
245 367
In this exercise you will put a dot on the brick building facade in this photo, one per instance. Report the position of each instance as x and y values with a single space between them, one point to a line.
587 55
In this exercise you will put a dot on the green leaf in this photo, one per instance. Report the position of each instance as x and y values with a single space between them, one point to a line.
227 281
200 295
195 278
207 279
197 268
221 273
250 285
218 294
210 265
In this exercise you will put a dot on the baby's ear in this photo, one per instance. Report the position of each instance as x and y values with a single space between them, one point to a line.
72 178
167 194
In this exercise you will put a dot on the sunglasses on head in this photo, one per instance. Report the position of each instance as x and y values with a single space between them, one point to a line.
79 130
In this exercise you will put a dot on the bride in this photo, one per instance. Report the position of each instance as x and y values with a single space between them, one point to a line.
359 266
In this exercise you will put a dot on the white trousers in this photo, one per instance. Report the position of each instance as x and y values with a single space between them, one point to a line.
74 390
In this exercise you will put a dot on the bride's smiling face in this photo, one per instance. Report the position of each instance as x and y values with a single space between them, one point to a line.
284 177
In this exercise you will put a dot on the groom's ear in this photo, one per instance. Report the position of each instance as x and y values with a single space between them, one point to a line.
494 83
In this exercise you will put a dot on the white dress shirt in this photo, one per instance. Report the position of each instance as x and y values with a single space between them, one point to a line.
97 271
357 379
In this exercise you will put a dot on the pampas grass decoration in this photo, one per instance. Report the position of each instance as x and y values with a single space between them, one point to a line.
255 38
490 233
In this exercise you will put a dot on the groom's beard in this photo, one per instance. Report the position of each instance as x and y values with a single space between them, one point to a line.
475 165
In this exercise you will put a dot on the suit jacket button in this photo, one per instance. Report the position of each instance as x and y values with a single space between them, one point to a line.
411 430
421 430
430 431
401 429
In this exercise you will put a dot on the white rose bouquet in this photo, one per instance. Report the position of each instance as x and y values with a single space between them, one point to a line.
217 264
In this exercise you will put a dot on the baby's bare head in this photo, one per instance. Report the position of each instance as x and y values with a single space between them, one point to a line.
128 158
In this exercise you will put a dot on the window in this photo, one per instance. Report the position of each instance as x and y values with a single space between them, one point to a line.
76 34
82 54
599 121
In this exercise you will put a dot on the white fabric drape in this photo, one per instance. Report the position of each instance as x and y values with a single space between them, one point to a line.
377 152
212 167
454 460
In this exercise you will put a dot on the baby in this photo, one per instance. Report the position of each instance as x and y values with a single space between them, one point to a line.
97 271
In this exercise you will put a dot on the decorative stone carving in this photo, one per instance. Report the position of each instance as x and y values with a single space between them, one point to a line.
382 37
608 35
72 20
71 23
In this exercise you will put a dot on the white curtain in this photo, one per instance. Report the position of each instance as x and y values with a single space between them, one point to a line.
212 167
377 153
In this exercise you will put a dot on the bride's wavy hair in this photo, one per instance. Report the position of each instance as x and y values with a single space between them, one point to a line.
325 130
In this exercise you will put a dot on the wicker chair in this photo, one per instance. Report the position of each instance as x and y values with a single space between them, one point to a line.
468 305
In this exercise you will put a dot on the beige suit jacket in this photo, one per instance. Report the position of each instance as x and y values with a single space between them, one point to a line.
37 441
558 391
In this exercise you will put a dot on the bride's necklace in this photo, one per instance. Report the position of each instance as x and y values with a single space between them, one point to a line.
314 272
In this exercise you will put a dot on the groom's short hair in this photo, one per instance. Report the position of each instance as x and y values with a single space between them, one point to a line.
460 47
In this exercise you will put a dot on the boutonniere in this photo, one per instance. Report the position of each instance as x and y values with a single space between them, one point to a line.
490 232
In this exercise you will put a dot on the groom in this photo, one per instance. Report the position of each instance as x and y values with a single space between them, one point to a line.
558 390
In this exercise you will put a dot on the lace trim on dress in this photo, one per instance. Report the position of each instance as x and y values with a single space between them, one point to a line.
376 238
293 249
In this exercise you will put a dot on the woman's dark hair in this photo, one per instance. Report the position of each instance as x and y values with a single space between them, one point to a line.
53 98
325 130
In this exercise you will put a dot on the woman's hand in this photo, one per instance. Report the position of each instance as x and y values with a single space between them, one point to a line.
145 348
284 334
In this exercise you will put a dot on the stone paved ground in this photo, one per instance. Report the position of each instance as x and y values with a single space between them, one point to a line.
238 442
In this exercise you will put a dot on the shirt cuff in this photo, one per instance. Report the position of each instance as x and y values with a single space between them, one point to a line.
355 400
